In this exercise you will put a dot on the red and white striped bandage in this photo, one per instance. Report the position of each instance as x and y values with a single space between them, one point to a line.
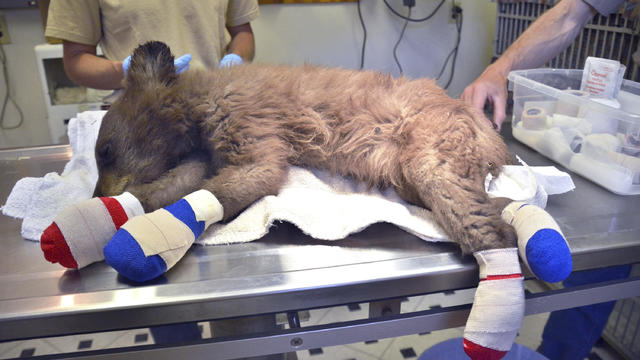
498 306
78 234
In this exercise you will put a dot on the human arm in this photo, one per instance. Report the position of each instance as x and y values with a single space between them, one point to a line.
543 40
79 25
85 68
242 41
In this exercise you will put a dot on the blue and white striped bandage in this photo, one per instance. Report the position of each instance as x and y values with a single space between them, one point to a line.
147 246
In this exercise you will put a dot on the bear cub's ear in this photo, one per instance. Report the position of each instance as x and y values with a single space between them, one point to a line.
151 62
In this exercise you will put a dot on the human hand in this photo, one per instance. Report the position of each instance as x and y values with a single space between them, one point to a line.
230 60
181 64
490 86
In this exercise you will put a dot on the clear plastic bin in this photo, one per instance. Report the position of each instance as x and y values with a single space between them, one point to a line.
598 141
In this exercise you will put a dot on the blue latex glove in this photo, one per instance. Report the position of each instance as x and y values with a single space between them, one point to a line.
230 60
181 64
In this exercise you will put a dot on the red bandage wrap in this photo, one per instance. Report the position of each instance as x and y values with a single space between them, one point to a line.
118 215
55 248
478 352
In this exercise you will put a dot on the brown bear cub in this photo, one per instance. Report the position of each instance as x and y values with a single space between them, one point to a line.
235 132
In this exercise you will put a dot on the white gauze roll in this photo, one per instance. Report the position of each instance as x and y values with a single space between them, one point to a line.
529 137
598 146
555 146
611 176
569 102
599 117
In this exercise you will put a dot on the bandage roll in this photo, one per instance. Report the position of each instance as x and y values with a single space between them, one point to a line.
611 176
598 146
534 118
574 138
568 104
630 102
630 162
599 117
564 121
529 137
554 145
631 144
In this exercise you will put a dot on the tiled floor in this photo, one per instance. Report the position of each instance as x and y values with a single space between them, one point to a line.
406 347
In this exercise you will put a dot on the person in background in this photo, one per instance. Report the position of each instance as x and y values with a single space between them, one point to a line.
214 32
548 36
568 334
197 27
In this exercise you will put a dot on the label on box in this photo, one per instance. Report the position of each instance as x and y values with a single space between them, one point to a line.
602 77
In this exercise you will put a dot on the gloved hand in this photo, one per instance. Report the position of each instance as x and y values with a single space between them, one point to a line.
230 60
181 64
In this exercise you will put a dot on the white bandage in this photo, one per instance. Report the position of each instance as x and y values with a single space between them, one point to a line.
82 229
498 306
206 207
130 204
527 220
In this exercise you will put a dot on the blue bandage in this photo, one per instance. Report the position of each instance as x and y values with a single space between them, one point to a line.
548 255
540 242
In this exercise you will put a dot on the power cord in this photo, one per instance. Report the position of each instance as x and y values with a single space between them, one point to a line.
7 96
457 13
410 4
395 48
364 39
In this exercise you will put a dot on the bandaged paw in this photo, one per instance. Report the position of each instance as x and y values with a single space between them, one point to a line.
498 306
77 235
540 242
148 245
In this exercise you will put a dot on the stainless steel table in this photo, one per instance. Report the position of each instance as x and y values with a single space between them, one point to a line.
287 271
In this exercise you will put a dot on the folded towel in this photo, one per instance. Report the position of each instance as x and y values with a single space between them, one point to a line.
38 200
322 205
325 207
330 207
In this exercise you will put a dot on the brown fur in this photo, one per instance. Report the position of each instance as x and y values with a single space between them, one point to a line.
235 132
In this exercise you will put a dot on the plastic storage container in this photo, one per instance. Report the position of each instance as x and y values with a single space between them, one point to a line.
598 141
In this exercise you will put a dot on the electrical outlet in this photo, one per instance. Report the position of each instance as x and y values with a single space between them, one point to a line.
409 3
4 31
454 11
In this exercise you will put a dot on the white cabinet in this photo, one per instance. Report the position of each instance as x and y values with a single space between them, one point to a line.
63 99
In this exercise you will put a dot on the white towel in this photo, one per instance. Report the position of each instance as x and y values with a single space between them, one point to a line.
323 206
38 200
332 207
